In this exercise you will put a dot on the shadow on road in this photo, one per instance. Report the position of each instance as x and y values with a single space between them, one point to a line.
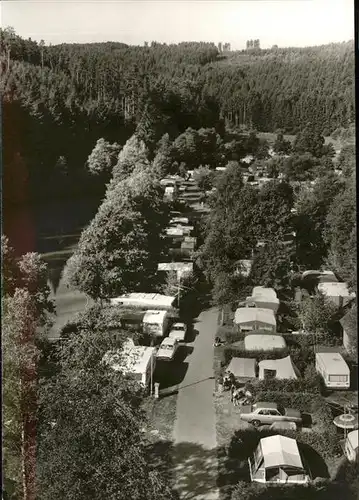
170 373
196 471
191 334
188 466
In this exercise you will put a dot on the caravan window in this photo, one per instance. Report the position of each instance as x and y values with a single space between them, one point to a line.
338 378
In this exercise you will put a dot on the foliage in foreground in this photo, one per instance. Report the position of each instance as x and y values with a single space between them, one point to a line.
90 441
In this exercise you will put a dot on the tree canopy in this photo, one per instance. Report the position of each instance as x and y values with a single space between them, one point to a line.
118 252
90 440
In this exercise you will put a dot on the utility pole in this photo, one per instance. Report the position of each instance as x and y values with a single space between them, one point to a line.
179 290
151 377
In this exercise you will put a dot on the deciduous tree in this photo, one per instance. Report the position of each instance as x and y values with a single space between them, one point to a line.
103 157
316 314
91 442
118 252
281 145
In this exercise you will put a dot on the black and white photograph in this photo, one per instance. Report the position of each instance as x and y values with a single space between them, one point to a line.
179 250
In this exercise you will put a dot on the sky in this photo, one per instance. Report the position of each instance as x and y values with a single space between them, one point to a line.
281 22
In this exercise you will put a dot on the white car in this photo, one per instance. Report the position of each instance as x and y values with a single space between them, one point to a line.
167 349
178 331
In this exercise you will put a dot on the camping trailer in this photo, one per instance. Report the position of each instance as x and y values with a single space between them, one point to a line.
144 301
333 369
155 322
265 298
139 361
249 319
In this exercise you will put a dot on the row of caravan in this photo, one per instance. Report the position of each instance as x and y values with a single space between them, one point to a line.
151 314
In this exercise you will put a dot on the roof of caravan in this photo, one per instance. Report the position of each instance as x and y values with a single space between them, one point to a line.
248 314
333 362
175 231
280 450
268 293
335 289
138 298
154 316
264 342
132 359
179 220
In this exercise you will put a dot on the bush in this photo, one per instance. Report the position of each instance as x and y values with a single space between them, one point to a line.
229 334
307 340
304 402
324 490
301 385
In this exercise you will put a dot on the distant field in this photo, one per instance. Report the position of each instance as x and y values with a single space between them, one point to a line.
270 137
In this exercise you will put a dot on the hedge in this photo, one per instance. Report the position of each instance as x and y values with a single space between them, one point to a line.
323 490
301 385
310 339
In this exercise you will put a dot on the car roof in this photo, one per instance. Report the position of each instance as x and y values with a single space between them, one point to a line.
261 404
168 340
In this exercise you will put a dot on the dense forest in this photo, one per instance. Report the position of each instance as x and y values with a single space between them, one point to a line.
59 100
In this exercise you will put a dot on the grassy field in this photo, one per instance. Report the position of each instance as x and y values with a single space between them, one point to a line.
271 137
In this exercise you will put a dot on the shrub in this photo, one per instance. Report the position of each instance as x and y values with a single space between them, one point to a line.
229 334
324 490
302 385
300 401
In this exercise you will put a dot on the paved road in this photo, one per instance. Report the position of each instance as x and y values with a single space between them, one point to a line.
68 303
195 443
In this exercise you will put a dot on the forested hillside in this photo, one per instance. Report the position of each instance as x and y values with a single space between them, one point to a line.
58 100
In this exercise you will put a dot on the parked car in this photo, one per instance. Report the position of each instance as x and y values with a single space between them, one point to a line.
178 331
167 349
267 413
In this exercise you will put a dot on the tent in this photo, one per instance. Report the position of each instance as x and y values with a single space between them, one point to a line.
280 450
255 342
280 368
277 460
242 367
